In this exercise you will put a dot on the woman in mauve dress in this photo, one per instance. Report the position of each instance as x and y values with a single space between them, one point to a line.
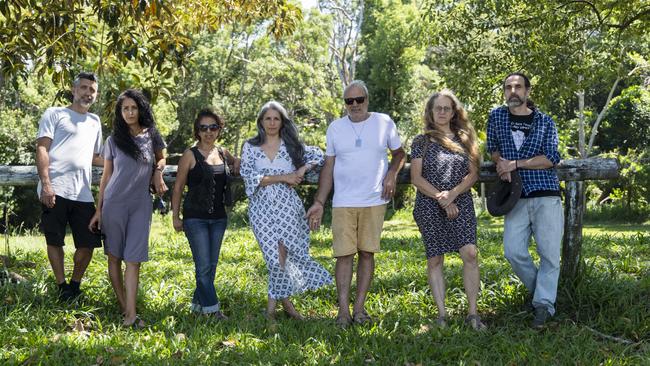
134 160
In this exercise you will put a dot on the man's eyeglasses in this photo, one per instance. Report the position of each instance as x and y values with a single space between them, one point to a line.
445 109
214 127
359 100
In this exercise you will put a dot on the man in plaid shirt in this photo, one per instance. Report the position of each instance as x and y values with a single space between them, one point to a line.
522 138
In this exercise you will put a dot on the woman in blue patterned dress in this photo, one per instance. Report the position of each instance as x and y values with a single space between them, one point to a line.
444 166
272 164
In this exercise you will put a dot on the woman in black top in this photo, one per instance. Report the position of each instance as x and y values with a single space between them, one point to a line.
203 169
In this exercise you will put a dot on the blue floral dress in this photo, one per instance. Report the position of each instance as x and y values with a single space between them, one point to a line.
277 215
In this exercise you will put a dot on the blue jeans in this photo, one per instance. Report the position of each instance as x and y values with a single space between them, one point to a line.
543 218
205 236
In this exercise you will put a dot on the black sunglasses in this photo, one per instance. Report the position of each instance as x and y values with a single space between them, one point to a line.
213 127
359 100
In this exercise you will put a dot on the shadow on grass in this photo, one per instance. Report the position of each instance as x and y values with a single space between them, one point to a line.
608 298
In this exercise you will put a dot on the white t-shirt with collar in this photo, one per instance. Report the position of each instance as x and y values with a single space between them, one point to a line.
360 168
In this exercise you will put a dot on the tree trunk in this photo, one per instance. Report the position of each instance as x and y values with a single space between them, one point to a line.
572 242
581 123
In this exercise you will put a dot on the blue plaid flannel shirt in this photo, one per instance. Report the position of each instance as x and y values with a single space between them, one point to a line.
542 140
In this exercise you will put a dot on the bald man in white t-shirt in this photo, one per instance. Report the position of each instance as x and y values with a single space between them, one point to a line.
357 166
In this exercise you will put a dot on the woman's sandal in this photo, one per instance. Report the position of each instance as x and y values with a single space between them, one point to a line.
343 321
475 322
361 317
136 325
294 315
270 316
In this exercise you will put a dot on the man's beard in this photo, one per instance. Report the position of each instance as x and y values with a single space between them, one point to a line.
515 101
85 102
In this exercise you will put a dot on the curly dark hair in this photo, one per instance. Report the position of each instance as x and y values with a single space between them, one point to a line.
288 133
121 134
207 112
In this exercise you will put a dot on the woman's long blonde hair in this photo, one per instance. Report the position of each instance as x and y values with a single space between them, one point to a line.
459 125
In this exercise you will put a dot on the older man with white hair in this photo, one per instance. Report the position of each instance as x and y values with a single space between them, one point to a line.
357 167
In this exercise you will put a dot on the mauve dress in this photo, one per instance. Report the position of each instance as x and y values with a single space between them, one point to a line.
127 207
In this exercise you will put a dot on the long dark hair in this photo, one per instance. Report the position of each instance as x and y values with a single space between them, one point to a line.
288 133
121 134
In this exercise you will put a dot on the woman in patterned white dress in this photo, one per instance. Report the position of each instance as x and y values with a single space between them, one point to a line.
444 166
272 164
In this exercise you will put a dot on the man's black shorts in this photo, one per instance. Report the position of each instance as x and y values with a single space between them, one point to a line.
78 215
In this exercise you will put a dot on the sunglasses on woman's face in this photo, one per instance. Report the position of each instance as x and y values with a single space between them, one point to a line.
359 100
203 128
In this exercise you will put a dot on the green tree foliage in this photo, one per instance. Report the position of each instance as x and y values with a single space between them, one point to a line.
239 69
391 64
627 122
624 133
566 46
20 111
58 37
236 55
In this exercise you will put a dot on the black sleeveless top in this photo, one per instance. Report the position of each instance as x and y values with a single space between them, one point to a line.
205 183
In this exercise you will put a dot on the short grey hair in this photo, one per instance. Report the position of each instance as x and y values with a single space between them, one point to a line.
357 84
85 75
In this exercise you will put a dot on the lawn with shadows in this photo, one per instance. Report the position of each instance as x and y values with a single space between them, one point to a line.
602 319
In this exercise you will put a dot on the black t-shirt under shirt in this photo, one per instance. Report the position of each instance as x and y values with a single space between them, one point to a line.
520 127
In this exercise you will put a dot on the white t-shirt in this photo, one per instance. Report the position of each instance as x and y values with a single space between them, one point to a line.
76 137
361 158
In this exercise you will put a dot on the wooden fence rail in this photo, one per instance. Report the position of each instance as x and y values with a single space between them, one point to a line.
568 170
574 172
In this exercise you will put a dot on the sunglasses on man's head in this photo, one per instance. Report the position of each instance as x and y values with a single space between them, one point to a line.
213 128
359 100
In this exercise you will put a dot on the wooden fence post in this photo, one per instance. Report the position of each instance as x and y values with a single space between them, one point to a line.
572 242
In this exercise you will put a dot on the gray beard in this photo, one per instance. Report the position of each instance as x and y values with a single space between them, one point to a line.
515 102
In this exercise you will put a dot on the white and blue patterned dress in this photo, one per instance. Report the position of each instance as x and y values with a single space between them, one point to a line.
276 215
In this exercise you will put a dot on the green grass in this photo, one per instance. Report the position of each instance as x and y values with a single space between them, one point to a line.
612 297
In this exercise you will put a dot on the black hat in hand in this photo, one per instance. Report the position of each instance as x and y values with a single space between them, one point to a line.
503 195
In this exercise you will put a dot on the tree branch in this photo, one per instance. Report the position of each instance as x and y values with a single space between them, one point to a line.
588 4
609 337
594 129
627 23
